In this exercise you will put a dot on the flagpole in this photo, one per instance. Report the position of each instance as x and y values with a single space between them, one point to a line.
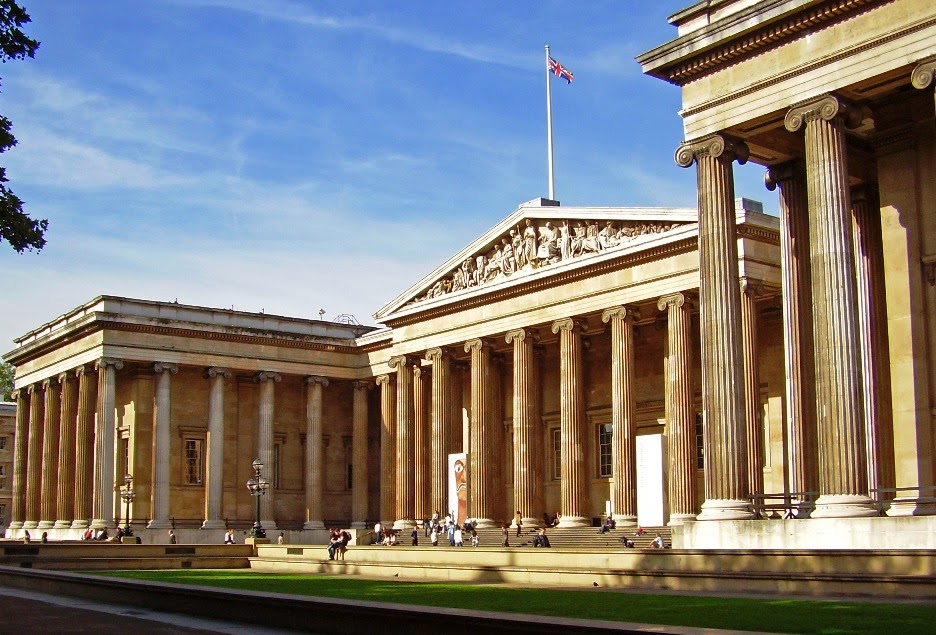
549 137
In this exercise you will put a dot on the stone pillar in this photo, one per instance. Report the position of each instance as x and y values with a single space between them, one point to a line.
872 323
359 458
50 448
267 381
84 447
315 465
802 445
481 477
541 472
680 422
754 415
726 489
65 494
843 477
443 408
34 457
922 75
214 466
574 486
387 449
162 446
524 426
405 451
422 391
623 415
20 442
105 483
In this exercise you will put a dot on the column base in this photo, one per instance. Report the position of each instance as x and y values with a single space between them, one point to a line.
214 524
726 509
359 524
844 506
16 524
79 524
45 524
156 523
624 520
532 523
905 507
485 523
268 524
30 524
100 523
681 519
62 524
403 523
574 521
313 524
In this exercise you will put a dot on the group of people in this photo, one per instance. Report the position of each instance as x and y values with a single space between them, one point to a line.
337 539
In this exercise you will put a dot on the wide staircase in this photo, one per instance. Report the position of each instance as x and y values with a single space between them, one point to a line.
576 537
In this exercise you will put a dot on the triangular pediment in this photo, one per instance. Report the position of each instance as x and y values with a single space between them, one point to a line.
538 238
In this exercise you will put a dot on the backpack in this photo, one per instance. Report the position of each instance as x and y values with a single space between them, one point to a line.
346 536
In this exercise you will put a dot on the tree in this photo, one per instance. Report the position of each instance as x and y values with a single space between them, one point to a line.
16 227
7 371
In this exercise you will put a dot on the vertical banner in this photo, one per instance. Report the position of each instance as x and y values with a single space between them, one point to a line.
458 486
651 484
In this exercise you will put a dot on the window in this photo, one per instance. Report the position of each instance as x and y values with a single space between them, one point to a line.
3 443
2 515
194 461
557 453
275 472
349 466
604 449
3 475
700 442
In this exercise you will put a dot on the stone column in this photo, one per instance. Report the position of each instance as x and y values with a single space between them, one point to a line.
922 75
34 457
267 381
214 466
405 451
872 323
799 364
387 450
105 483
359 459
680 422
422 389
753 410
315 465
442 423
20 442
574 486
84 447
843 477
162 446
623 415
65 494
481 494
50 448
726 489
524 426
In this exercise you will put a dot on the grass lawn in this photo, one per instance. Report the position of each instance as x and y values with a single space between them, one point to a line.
776 615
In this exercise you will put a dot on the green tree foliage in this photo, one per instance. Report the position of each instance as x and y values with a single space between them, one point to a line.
16 227
6 380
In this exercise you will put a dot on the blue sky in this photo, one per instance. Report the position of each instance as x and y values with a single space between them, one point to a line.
291 156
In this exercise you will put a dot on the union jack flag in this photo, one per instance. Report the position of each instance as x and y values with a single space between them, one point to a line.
560 71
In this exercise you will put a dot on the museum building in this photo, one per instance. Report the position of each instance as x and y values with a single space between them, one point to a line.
585 361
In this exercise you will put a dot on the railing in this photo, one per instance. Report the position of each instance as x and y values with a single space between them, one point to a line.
791 504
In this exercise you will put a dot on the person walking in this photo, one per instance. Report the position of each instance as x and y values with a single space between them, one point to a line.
505 534
518 521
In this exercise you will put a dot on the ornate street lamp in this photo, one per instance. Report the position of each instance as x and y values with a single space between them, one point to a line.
257 486
127 494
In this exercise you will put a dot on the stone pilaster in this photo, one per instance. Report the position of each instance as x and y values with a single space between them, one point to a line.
443 408
162 445
105 480
422 433
623 415
84 446
574 486
799 362
315 466
753 411
524 426
359 458
720 326
34 457
214 465
267 381
872 323
20 443
388 461
922 75
65 494
50 447
680 422
405 450
481 494
843 477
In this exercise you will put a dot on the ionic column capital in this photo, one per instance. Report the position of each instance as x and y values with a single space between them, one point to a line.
382 380
714 146
362 385
33 388
751 287
63 376
316 380
825 107
400 362
106 362
567 324
922 75
217 371
165 367
48 382
519 335
477 344
267 375
435 354
676 300
621 313
82 370
783 173
16 394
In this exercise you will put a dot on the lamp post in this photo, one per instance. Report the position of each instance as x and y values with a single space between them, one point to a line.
127 494
257 486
